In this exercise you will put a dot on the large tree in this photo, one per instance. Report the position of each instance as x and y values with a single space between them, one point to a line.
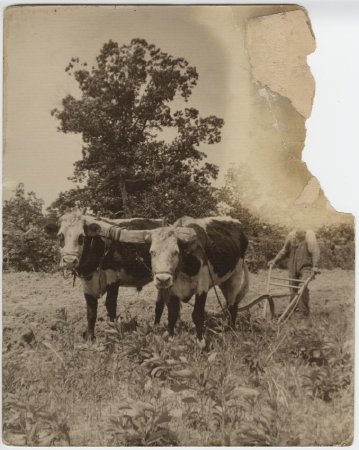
141 146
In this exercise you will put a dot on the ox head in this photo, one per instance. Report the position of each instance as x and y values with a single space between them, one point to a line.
71 232
167 245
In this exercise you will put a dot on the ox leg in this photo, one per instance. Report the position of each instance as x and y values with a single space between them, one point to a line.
232 307
198 314
160 304
111 301
234 290
173 307
91 303
233 311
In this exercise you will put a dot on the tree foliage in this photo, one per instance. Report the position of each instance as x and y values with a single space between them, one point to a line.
337 234
265 238
237 188
138 143
337 245
25 244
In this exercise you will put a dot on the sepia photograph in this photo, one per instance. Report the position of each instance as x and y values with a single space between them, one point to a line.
173 273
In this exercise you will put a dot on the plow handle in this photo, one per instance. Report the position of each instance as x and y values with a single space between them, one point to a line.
267 291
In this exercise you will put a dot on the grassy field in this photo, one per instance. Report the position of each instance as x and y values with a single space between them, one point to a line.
265 385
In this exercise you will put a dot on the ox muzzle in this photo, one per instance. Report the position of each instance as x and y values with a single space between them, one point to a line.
69 262
163 280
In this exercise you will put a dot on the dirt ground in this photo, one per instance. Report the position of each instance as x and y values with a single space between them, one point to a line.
264 385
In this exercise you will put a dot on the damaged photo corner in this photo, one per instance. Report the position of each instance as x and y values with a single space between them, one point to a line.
153 161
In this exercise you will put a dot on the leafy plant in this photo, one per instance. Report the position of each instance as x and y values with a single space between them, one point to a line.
323 382
138 423
262 385
116 330
28 423
216 401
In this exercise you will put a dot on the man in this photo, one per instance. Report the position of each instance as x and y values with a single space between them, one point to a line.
303 251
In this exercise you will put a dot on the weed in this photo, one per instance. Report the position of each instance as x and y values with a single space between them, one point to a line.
28 423
138 423
263 385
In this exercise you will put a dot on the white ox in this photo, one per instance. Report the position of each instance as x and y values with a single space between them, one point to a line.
191 256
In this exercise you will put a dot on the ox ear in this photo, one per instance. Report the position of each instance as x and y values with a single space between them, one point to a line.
92 230
148 238
52 229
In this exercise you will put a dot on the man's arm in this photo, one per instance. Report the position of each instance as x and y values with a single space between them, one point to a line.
313 247
284 251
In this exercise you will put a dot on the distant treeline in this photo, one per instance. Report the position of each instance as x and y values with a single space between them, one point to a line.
26 247
331 255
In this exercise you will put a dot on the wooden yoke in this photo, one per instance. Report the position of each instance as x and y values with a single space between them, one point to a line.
117 231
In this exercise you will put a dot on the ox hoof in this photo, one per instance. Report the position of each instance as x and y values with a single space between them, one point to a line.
88 337
168 337
301 311
201 343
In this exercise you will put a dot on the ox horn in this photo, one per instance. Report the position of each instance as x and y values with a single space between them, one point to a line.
185 234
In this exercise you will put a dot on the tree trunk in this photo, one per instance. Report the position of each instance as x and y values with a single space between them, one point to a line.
125 204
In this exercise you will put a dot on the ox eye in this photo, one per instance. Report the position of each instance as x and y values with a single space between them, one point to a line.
176 252
61 238
153 253
81 240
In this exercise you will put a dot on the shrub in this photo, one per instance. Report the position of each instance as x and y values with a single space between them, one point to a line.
331 256
337 245
338 234
25 244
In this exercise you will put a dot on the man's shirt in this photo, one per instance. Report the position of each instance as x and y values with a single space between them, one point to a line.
301 253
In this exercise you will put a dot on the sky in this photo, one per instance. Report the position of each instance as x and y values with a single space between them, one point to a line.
41 40
39 44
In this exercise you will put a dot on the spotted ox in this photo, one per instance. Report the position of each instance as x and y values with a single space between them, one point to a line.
192 256
103 265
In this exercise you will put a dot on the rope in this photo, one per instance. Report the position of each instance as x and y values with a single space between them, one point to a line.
142 261
75 273
224 310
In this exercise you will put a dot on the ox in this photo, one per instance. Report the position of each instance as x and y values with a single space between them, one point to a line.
103 264
192 256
